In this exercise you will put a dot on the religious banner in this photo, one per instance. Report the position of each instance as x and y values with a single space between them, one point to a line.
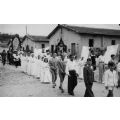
85 53
110 50
15 44
61 47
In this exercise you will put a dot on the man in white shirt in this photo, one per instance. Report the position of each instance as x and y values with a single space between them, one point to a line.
111 79
72 72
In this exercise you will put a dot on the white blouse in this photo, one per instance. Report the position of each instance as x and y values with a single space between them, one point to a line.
111 78
118 67
71 65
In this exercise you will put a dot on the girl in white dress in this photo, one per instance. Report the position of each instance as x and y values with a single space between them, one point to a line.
34 67
29 66
26 63
32 71
23 62
37 67
47 78
41 70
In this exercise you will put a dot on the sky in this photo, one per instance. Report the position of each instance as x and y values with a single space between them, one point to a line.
44 29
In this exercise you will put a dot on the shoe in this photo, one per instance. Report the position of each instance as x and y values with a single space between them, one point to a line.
71 94
54 86
62 91
60 88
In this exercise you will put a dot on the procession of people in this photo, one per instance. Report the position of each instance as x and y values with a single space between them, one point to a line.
50 67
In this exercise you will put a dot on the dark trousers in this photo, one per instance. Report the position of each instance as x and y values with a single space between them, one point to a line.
118 79
72 81
4 62
110 93
54 76
16 63
89 92
62 76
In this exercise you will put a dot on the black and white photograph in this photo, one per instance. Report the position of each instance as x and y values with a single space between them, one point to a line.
59 60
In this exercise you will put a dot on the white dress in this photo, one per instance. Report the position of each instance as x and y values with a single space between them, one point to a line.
34 67
32 71
23 62
26 64
37 68
42 66
47 78
29 66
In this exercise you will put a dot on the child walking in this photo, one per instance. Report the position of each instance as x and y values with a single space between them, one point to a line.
111 79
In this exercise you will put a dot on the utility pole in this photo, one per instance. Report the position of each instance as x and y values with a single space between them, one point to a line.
26 29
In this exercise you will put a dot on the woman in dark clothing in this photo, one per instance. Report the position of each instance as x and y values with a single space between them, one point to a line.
88 79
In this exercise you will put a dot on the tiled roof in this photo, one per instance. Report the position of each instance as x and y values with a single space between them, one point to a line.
88 30
37 38
100 31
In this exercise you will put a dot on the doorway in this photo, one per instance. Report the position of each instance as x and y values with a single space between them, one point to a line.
91 42
73 48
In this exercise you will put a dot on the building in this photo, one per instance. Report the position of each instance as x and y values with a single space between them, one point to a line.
72 38
29 43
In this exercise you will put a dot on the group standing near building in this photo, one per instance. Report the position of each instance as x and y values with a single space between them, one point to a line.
49 67
65 59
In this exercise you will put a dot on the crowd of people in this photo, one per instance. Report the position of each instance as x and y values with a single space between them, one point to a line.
108 73
10 58
47 68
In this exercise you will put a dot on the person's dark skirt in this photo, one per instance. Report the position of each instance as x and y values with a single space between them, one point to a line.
110 93
118 79
72 82
89 92
4 62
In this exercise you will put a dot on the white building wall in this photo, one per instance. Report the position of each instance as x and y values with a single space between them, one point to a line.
81 40
70 37
37 45
85 40
55 38
108 40
28 42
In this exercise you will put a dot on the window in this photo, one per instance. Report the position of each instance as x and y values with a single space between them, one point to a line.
113 42
91 42
43 46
